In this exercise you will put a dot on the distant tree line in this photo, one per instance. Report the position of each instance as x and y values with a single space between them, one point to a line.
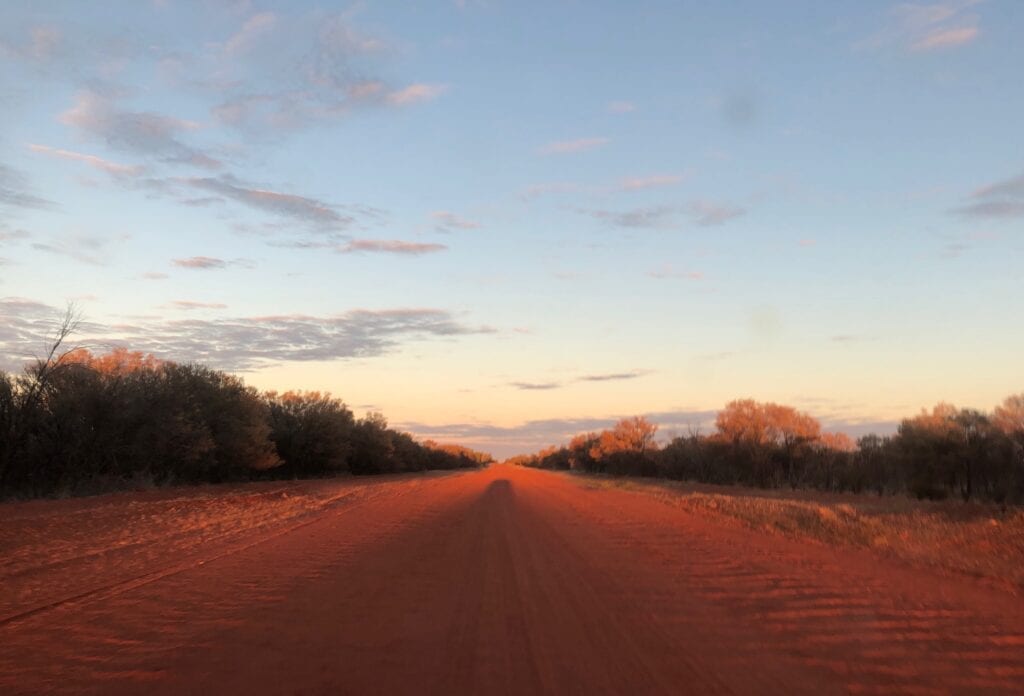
79 423
942 453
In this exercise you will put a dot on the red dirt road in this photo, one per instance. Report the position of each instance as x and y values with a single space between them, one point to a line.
500 581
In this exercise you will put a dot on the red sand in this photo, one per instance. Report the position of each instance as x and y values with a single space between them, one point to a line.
500 581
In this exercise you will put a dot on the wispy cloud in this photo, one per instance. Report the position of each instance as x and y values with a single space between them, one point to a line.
112 168
8 235
200 263
288 205
621 107
597 377
564 147
330 73
612 376
533 435
389 246
15 190
140 132
708 213
700 212
155 275
250 33
648 182
946 38
649 217
90 249
237 343
1003 199
39 46
624 185
668 272
415 94
189 305
922 27
537 190
445 221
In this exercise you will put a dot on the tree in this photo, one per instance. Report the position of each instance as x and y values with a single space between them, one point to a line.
372 446
311 431
773 439
634 435
25 395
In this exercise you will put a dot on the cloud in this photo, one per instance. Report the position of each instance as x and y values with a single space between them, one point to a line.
601 377
708 213
649 217
300 208
923 27
563 147
357 333
649 182
445 221
612 376
236 343
25 328
155 275
946 38
255 27
531 436
189 305
536 190
1003 199
621 107
85 248
8 235
144 133
77 57
389 246
43 44
202 201
627 184
112 168
415 94
15 191
280 73
535 386
200 263
666 271
701 212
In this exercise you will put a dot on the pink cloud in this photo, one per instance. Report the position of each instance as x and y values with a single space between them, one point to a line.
390 246
200 262
946 38
563 147
92 160
647 182
414 94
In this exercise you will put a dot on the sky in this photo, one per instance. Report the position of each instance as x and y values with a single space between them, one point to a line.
501 223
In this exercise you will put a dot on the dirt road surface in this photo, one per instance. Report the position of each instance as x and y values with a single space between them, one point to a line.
504 581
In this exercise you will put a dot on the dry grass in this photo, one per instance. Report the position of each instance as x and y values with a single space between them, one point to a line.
981 540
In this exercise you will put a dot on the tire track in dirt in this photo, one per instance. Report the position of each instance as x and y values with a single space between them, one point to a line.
215 548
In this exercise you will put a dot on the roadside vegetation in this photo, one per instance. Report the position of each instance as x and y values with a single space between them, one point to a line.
946 452
77 423
984 540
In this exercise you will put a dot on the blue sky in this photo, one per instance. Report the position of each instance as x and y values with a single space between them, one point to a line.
502 222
